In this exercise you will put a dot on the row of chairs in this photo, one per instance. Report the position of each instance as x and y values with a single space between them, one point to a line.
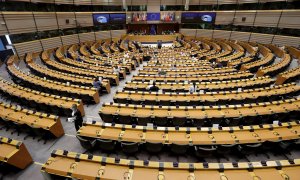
39 100
31 122
275 69
200 115
205 86
88 95
200 151
13 153
194 78
207 98
63 164
288 76
51 64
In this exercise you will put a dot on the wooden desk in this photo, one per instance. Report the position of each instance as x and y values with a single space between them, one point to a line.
288 75
14 153
32 119
40 97
191 136
137 97
84 93
207 86
65 77
265 61
275 68
198 113
188 72
194 78
82 166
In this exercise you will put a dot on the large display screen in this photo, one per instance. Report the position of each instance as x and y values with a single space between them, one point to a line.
100 19
153 16
198 17
167 16
117 18
139 16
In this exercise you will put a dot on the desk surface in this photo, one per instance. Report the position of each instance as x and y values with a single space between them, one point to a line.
191 135
63 163
14 152
200 113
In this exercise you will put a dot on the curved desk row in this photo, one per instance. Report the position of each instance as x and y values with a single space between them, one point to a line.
168 98
14 153
194 78
56 104
17 115
64 77
288 76
206 86
88 95
83 166
189 72
197 114
190 135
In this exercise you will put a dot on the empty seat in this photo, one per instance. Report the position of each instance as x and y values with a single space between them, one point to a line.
106 145
153 148
86 143
178 149
130 148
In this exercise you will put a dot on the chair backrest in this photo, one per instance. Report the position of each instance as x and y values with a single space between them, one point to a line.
85 143
107 145
161 121
130 147
153 147
179 149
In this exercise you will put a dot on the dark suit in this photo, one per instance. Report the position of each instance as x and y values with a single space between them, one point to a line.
78 120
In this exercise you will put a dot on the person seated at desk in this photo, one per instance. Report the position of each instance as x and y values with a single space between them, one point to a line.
153 88
78 59
193 88
76 117
98 84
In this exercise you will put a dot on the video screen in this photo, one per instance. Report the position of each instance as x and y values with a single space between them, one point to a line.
117 18
100 19
198 17
139 16
167 16
153 16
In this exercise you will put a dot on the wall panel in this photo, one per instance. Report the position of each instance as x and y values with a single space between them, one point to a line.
3 29
267 18
261 38
138 2
102 35
19 22
84 19
204 33
45 21
221 34
66 20
224 17
244 18
84 37
117 33
31 46
188 32
286 40
51 43
70 39
290 19
240 36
